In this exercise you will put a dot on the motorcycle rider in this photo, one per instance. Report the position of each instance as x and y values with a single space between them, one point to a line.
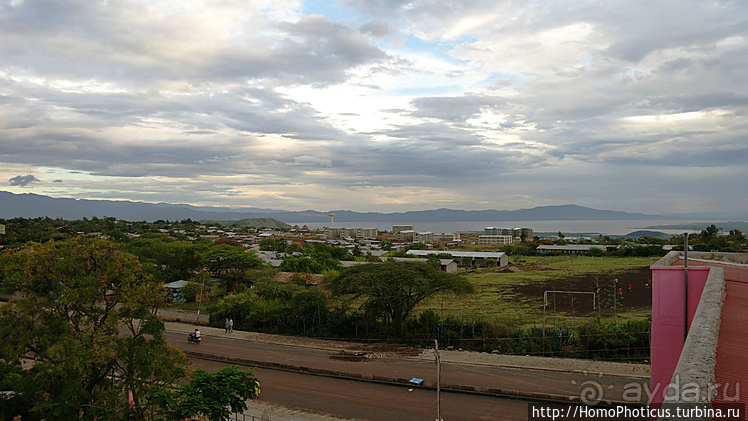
195 336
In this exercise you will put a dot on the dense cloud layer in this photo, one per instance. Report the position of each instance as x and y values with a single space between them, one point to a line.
378 105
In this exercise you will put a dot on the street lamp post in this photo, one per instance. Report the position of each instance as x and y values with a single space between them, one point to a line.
202 289
685 286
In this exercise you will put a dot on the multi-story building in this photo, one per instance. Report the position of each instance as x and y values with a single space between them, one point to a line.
398 228
405 235
497 231
447 238
495 240
423 237
525 233
355 233
334 232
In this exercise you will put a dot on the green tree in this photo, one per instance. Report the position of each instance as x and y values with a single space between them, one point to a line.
231 262
301 264
279 245
214 396
597 251
191 290
167 259
88 320
394 288
737 236
309 308
709 233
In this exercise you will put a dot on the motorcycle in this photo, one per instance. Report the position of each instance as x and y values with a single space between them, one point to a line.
192 338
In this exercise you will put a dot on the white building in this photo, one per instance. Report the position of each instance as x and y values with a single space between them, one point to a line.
423 237
355 233
495 240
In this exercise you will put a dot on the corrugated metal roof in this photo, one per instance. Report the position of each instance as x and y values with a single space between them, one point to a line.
175 284
577 247
483 254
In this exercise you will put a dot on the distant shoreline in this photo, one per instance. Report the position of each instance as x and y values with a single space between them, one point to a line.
567 227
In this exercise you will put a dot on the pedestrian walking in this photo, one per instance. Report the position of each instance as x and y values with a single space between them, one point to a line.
226 325
231 325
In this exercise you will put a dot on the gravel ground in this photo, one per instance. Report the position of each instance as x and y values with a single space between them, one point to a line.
261 411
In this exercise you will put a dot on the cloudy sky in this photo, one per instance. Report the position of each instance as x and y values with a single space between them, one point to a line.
378 105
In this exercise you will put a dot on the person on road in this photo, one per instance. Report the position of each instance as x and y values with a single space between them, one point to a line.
227 325
231 325
197 333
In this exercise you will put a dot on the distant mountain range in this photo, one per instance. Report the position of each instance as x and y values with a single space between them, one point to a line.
33 205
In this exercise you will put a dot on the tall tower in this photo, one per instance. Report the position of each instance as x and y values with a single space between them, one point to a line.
332 216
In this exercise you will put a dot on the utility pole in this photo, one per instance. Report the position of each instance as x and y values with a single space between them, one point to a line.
202 289
545 305
615 300
438 381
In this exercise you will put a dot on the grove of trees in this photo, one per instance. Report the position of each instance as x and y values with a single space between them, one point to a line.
83 340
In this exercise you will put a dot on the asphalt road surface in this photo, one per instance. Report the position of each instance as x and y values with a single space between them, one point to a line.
351 399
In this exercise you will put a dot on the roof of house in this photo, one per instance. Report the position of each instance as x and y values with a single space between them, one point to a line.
175 284
576 247
478 254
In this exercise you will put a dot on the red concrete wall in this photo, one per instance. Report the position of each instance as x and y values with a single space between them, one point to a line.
667 320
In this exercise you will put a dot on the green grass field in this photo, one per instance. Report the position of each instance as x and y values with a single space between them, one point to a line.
517 298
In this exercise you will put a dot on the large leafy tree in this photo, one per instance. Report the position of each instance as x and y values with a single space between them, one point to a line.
231 262
394 288
87 323
167 259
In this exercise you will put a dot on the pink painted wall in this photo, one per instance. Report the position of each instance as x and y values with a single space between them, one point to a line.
667 320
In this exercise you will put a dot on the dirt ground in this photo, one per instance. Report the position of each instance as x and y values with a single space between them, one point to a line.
639 296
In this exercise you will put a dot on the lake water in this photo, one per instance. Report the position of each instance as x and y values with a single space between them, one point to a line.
612 227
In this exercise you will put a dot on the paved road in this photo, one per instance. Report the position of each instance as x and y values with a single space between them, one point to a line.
352 399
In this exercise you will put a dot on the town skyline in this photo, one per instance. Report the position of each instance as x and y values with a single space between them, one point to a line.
388 106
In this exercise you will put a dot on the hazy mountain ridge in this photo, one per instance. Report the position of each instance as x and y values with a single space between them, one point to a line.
32 205
255 223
